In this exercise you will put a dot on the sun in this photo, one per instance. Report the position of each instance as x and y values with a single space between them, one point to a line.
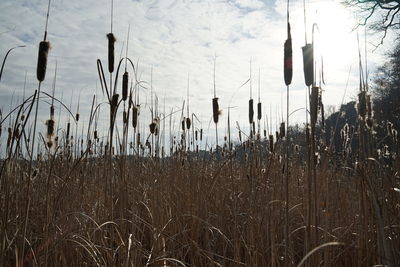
334 34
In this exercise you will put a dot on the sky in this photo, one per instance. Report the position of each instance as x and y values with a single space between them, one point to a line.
180 40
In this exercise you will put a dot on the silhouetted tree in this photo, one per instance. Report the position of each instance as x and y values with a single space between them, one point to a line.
379 15
386 92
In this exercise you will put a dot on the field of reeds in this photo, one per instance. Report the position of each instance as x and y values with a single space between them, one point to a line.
127 197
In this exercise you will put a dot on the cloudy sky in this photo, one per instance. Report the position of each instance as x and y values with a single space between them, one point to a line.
180 39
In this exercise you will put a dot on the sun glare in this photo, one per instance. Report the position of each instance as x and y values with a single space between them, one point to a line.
335 35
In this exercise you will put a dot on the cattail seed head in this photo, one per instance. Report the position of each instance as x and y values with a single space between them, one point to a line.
183 124
314 105
111 42
134 116
282 130
308 63
124 117
188 123
52 111
125 80
77 117
259 111
251 111
50 127
44 47
362 104
114 104
68 129
215 109
287 59
195 135
271 142
201 134
95 135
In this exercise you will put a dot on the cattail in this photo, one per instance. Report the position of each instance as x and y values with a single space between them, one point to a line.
251 111
111 41
259 111
124 117
201 134
134 116
50 127
287 58
183 124
195 135
95 135
362 105
308 63
282 130
154 126
68 129
51 111
265 133
49 143
44 47
240 136
77 117
114 104
271 142
188 123
314 104
215 109
125 79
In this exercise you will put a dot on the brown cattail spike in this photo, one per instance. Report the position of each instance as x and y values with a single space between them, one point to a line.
125 79
44 47
251 111
183 124
114 104
51 111
215 109
271 142
50 127
362 104
308 63
124 117
111 41
282 130
134 116
287 58
188 123
314 104
259 111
